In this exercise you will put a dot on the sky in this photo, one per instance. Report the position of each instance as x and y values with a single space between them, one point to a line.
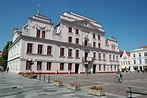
126 20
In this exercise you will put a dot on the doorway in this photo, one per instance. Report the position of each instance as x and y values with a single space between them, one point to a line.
94 68
76 68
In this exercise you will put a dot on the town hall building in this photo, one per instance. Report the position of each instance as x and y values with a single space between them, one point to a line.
76 45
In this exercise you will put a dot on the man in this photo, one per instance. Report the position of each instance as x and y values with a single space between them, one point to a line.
118 73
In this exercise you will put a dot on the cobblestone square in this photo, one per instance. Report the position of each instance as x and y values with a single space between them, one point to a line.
17 86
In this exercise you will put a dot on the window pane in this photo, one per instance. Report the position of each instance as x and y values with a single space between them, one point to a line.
38 34
29 47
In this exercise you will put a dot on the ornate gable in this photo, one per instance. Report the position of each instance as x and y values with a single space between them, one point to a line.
85 23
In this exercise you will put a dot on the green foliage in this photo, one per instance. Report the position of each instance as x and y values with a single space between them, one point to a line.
4 57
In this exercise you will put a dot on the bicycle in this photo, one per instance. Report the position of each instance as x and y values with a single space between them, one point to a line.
118 79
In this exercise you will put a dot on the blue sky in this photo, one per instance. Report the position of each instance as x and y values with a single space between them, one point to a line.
126 20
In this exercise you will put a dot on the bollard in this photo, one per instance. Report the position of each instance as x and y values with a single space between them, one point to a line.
40 76
44 78
48 79
129 91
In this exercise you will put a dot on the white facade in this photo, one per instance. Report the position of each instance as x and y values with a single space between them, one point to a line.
76 44
125 62
139 58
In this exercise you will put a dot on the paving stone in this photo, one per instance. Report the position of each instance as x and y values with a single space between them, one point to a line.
17 86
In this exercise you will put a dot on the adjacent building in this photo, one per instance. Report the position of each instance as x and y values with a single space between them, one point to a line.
125 64
77 44
139 58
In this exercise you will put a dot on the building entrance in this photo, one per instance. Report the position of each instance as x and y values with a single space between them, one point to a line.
76 68
94 68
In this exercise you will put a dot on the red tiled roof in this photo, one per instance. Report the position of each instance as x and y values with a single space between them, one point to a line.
121 53
128 53
143 47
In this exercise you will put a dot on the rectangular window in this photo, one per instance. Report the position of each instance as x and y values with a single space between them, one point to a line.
28 65
133 55
69 29
113 57
93 44
99 37
77 31
77 53
99 45
104 58
110 57
69 52
48 66
99 56
111 67
38 34
49 50
134 61
69 39
129 62
104 67
116 58
140 62
145 61
61 66
61 51
145 53
114 67
69 66
94 55
100 68
40 49
43 34
77 40
29 47
39 65
93 35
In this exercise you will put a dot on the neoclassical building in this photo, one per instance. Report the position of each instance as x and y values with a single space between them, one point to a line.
139 58
77 44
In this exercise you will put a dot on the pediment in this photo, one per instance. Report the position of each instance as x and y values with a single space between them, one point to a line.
85 23
26 27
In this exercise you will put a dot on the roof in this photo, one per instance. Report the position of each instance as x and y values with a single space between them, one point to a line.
128 53
121 53
143 47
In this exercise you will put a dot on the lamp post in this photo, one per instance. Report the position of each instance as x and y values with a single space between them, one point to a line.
31 62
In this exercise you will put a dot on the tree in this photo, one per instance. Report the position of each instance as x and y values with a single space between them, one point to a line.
4 57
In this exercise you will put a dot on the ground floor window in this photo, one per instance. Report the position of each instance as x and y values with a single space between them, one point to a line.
69 66
104 67
61 66
48 66
28 65
100 68
39 65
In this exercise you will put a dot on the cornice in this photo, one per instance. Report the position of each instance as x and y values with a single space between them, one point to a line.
37 20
